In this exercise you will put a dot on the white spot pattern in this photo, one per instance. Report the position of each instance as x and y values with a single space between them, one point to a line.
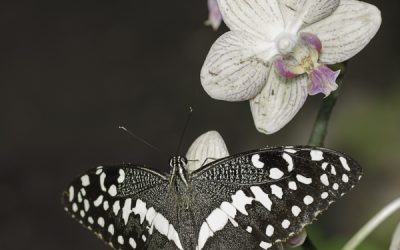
71 193
303 179
255 160
265 245
308 200
289 160
116 208
296 211
132 242
344 163
275 173
85 180
277 191
324 180
269 230
285 224
292 185
121 177
261 197
240 200
316 155
112 190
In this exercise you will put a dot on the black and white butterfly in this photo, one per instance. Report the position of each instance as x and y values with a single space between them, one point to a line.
253 200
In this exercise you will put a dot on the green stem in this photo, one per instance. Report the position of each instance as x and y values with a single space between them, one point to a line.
320 128
308 245
372 225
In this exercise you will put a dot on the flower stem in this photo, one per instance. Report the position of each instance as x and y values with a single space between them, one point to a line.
320 128
308 245
321 124
372 224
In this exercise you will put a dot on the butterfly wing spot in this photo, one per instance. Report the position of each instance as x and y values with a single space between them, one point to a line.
277 191
74 207
324 165
275 173
120 239
344 163
303 179
261 197
204 234
71 192
308 200
335 186
111 229
101 221
290 150
112 190
285 224
296 211
86 205
345 178
240 200
126 210
99 170
265 245
102 179
292 185
316 155
249 229
121 177
132 242
116 207
324 179
324 195
269 231
85 180
217 220
90 220
228 209
255 160
289 161
98 201
106 205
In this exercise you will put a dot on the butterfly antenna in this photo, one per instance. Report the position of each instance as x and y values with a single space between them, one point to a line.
140 139
184 129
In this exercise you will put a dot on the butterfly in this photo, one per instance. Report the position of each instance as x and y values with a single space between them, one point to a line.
252 200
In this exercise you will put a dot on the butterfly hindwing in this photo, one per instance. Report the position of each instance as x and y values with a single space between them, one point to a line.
269 195
120 203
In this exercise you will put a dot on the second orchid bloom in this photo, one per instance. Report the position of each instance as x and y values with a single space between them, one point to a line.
276 53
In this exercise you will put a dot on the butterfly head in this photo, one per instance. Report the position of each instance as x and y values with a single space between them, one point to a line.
178 164
178 161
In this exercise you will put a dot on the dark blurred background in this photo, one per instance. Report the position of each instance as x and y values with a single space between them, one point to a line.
71 72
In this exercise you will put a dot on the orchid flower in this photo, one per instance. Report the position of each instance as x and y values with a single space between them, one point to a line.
214 15
277 50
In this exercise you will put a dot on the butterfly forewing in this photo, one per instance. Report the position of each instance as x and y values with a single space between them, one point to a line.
268 195
120 205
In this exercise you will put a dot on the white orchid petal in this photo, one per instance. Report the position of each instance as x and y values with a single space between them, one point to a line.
262 18
279 102
347 31
301 13
206 148
395 245
232 70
